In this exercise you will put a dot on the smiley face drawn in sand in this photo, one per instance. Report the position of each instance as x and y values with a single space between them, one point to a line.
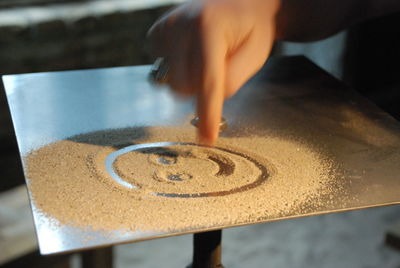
172 169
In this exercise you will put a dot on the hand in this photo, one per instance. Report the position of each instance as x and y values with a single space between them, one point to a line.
213 47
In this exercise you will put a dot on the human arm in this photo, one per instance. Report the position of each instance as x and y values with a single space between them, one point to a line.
214 46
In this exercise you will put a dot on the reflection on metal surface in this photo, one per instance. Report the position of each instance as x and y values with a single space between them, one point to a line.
179 177
222 125
160 151
74 102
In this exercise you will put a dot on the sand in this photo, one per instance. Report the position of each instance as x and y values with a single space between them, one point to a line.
243 180
189 170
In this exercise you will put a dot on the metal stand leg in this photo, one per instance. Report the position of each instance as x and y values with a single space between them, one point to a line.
99 258
207 250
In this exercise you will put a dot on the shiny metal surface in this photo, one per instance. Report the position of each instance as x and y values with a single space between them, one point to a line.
222 125
290 96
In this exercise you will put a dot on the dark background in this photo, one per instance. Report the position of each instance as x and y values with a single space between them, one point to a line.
92 41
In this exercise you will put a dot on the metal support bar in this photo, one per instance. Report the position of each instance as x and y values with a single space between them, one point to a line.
207 250
99 258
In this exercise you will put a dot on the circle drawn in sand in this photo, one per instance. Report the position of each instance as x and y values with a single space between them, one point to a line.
184 170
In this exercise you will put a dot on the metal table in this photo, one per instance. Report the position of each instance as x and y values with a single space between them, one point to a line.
48 107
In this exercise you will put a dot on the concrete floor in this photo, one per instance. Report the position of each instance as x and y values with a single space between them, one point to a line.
352 239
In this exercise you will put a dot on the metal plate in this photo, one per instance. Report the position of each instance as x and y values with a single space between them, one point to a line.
48 107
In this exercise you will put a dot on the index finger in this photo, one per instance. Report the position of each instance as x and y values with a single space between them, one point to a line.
211 93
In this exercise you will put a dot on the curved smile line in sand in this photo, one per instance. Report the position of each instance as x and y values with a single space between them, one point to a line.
112 157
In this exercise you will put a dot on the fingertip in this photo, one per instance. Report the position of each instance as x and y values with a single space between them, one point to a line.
208 134
207 140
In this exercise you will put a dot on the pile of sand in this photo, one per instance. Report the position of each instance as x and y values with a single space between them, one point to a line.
242 180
